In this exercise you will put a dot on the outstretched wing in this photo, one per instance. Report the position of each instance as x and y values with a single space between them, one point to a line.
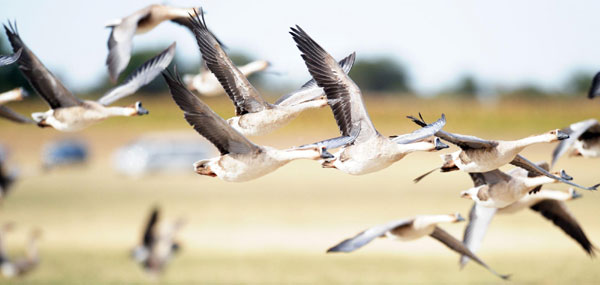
9 114
459 247
559 214
141 76
343 96
462 141
149 236
205 121
310 90
367 236
42 80
575 131
595 87
424 132
524 163
479 221
244 96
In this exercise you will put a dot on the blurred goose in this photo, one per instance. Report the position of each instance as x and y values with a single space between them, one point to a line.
594 90
240 159
22 265
412 229
254 115
10 59
141 21
480 155
156 248
584 140
207 84
68 113
370 151
16 94
6 180
496 189
549 203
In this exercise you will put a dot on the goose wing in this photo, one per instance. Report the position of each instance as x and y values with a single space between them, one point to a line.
424 132
9 114
490 177
559 214
10 59
479 221
244 96
149 236
462 141
459 247
523 162
343 96
368 235
120 42
205 121
42 80
575 131
310 90
595 87
141 76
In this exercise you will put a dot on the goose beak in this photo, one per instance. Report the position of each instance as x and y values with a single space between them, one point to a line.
575 195
562 135
459 218
326 155
465 194
24 93
142 111
565 176
439 145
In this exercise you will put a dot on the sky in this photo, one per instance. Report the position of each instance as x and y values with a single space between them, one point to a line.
504 43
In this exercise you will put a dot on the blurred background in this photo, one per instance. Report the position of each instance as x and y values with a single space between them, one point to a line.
497 70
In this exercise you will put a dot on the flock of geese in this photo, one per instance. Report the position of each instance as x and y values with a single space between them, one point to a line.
361 149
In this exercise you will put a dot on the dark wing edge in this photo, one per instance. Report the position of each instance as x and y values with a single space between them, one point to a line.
148 238
526 164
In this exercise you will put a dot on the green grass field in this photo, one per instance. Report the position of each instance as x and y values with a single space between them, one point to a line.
276 229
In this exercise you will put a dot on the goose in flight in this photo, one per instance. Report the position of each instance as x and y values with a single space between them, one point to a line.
68 113
10 59
496 189
206 84
23 265
16 94
479 155
584 140
412 229
6 179
140 22
549 203
594 90
240 159
370 151
157 247
254 115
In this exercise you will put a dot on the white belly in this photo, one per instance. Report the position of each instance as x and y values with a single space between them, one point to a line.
236 168
366 157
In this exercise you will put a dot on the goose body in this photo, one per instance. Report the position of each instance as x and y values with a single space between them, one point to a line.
369 151
549 203
123 30
254 115
67 112
496 189
240 159
412 229
207 84
584 140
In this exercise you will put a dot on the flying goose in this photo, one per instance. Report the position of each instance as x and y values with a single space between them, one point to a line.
156 248
480 155
412 229
594 90
254 115
10 59
370 151
207 84
240 159
23 265
16 94
6 180
549 203
496 189
584 140
140 22
68 113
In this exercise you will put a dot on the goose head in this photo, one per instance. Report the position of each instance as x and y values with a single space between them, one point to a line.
557 135
474 193
202 167
456 217
574 194
438 144
139 110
